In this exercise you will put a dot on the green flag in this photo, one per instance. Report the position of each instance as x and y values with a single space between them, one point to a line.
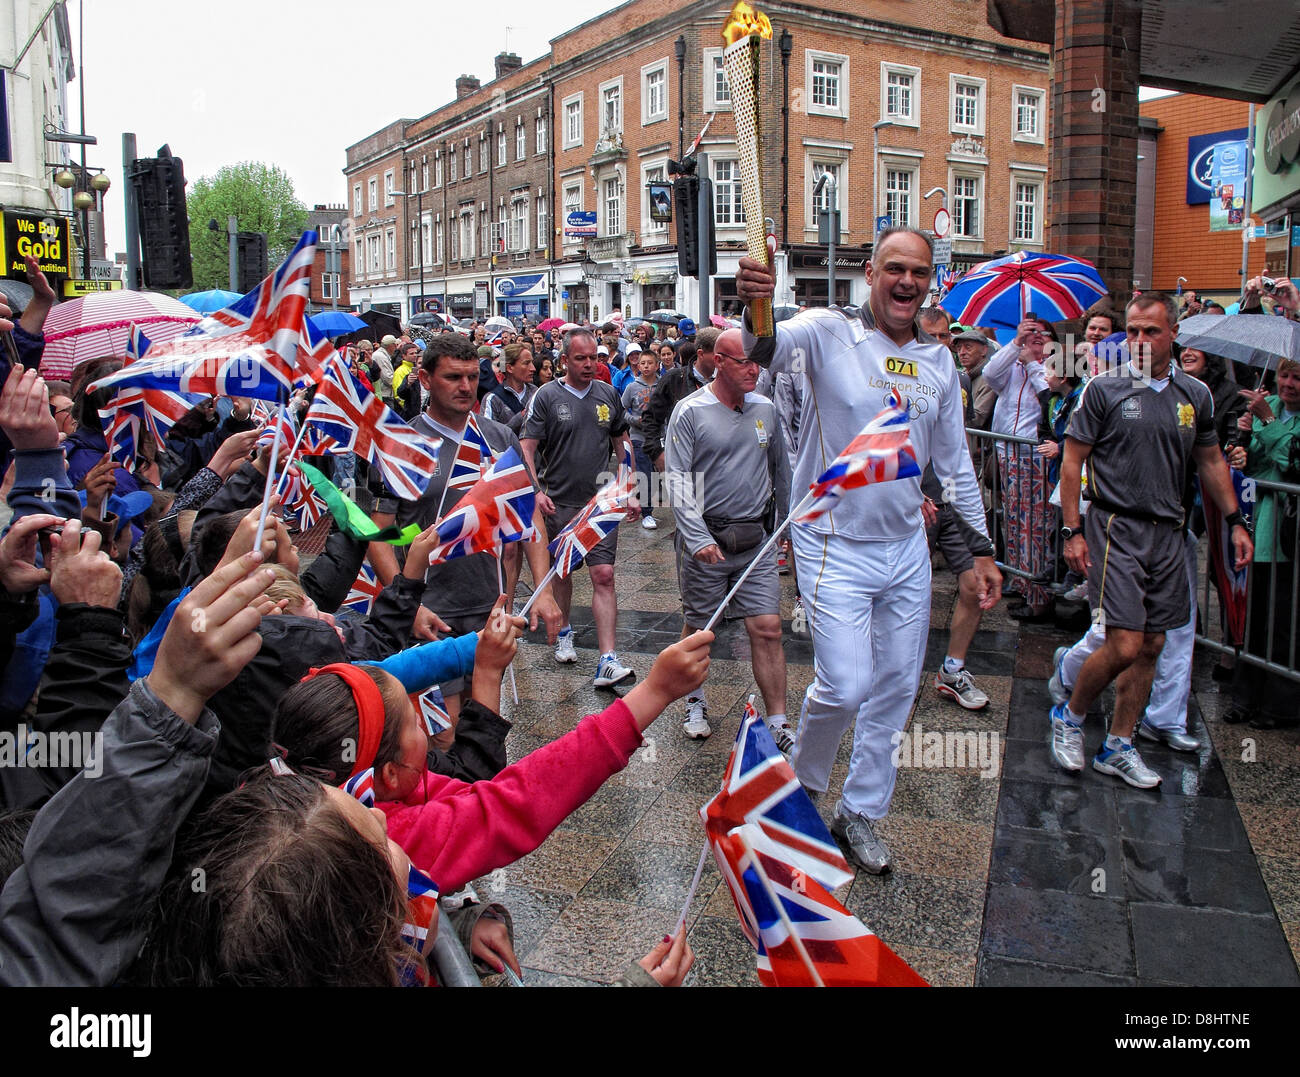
350 519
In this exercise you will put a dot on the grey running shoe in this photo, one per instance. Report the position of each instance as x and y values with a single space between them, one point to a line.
1126 764
564 649
1066 742
1057 688
784 737
1178 741
859 834
960 687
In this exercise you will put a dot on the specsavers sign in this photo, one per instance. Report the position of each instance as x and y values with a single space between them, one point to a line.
47 239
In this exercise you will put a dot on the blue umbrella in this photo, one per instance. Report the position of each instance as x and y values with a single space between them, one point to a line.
210 301
334 323
1001 292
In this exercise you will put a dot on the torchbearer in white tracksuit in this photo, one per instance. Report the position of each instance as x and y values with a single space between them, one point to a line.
865 566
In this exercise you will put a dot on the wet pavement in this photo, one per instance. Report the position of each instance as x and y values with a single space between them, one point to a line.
1008 874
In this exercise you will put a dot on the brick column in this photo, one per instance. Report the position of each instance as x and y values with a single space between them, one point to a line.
1096 59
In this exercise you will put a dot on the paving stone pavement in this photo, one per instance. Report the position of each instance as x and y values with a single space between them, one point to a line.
1020 876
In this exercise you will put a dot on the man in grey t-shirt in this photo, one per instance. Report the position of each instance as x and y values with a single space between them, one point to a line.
1139 428
568 433
725 459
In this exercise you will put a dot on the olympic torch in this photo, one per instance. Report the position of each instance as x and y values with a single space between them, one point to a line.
743 33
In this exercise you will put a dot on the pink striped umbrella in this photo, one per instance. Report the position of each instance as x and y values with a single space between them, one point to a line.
97 327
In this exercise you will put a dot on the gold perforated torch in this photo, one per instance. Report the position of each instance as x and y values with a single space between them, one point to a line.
744 32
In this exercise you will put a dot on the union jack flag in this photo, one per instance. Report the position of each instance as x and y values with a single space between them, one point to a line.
275 425
803 936
136 408
362 786
364 591
299 500
881 453
432 709
498 509
422 905
604 512
359 422
759 789
260 346
472 455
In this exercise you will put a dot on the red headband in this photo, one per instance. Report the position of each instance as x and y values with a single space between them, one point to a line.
370 710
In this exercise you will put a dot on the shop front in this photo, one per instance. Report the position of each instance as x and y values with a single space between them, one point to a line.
524 296
1275 183
809 271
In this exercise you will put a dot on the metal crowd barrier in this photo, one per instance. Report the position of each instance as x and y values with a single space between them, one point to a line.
1034 553
1275 648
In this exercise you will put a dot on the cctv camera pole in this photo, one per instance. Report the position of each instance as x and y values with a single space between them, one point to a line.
132 212
232 228
705 233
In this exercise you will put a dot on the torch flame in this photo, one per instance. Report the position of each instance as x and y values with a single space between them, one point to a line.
744 21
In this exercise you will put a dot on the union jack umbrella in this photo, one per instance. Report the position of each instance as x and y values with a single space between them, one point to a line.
472 454
364 590
881 453
802 935
1001 292
97 326
604 512
261 346
497 509
155 410
359 422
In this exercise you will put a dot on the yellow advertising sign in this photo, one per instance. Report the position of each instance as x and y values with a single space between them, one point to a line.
74 288
48 239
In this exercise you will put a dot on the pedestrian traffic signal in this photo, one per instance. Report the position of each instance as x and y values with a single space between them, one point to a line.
251 247
158 184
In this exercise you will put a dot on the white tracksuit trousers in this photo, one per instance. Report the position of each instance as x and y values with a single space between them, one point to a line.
868 609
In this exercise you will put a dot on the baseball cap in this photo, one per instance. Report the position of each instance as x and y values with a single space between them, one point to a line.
125 506
602 350
388 340
686 327
633 349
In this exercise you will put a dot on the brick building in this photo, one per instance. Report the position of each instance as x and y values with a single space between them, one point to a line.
890 110
329 286
953 105
1174 239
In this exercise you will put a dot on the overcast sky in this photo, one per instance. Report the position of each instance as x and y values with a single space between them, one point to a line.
289 82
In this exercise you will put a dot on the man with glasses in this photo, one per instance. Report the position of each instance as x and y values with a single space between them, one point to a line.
727 467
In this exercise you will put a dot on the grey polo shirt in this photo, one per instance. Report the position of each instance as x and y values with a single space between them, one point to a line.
573 435
723 463
1142 439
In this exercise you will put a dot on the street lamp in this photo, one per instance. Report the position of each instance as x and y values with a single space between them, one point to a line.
829 226
876 128
89 191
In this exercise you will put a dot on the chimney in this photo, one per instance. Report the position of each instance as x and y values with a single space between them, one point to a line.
466 85
507 62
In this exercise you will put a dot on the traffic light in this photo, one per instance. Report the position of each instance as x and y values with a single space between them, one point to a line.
686 209
251 247
159 188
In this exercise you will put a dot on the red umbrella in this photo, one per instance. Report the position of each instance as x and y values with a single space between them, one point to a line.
97 326
551 323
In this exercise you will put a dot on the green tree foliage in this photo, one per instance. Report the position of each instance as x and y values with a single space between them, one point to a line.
261 196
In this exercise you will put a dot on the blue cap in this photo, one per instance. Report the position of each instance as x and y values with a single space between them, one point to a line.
686 327
127 506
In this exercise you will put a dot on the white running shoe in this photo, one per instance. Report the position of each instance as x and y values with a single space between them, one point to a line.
696 726
564 649
610 671
648 522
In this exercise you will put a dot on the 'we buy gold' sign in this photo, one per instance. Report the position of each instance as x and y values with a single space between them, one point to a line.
47 239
